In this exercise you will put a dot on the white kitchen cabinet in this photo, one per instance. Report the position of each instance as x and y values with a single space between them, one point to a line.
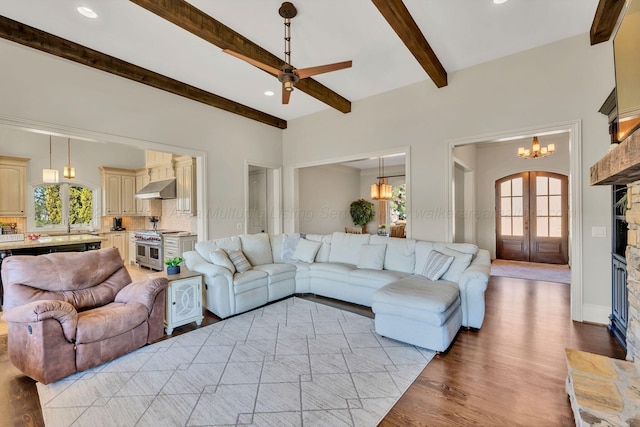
118 191
13 186
118 240
183 300
185 185
132 248
174 246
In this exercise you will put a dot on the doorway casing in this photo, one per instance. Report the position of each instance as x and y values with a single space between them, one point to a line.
575 189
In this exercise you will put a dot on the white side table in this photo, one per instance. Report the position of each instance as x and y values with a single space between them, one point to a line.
183 303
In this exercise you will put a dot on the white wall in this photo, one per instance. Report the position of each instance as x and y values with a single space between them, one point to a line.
42 88
560 82
495 161
325 195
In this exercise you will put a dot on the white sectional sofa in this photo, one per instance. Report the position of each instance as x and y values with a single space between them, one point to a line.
348 267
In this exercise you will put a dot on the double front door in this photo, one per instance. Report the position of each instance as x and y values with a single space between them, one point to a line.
532 217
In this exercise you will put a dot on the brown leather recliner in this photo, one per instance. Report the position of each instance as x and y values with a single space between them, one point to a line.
71 311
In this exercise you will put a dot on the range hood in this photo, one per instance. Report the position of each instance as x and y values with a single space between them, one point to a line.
165 189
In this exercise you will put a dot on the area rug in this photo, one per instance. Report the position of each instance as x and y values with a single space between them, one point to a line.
291 363
531 270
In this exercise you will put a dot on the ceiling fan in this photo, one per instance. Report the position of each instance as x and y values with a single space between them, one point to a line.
288 75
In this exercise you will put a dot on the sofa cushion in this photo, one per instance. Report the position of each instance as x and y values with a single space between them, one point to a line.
109 321
275 269
239 261
418 292
325 247
227 243
249 280
345 248
374 278
333 267
372 257
436 265
221 258
460 262
306 250
257 248
400 254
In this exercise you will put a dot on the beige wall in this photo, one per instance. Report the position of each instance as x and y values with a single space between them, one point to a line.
560 82
44 89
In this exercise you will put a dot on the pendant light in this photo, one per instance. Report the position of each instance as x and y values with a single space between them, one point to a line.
69 172
50 176
381 190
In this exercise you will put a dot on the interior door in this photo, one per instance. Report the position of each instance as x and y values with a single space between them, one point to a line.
257 221
532 217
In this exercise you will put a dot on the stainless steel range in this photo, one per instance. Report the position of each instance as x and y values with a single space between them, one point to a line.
149 252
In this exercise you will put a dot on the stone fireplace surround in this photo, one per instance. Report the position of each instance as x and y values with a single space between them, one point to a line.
605 391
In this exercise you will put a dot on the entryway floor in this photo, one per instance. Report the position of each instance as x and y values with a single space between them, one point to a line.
531 270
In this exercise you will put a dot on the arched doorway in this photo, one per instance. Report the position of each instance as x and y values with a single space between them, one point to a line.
532 217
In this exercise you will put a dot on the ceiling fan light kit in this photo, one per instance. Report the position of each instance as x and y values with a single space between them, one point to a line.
288 75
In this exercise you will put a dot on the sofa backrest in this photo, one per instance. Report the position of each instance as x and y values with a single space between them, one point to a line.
226 243
83 279
463 254
346 247
257 248
325 245
400 254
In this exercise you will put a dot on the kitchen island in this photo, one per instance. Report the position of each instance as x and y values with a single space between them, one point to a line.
47 245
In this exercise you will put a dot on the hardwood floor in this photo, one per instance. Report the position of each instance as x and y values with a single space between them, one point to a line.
510 372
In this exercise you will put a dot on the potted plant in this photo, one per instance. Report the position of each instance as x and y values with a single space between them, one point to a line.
173 265
362 212
382 230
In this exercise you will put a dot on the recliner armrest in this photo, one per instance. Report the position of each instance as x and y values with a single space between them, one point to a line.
200 265
142 291
39 311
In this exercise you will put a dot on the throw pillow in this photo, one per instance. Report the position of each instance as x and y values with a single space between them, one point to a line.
289 244
372 256
460 263
220 257
306 250
436 265
240 261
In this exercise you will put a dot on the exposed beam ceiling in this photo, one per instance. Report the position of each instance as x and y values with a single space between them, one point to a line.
398 16
204 26
605 20
37 39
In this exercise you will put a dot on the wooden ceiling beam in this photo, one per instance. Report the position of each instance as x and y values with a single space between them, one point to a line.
192 19
399 18
54 45
605 20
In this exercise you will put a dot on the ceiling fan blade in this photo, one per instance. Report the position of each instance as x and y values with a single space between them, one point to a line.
252 61
312 71
285 95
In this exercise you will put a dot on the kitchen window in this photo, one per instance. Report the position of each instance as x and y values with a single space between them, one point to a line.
58 207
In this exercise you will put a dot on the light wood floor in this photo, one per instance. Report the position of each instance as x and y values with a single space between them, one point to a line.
510 372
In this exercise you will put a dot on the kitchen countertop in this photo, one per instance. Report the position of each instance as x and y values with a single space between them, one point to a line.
51 241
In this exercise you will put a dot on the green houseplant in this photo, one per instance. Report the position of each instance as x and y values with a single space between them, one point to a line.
173 265
362 212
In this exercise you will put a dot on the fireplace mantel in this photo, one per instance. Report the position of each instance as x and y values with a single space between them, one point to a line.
620 165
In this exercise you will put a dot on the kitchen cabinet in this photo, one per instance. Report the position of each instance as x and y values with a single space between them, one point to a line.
186 185
132 248
156 158
118 240
146 207
13 186
174 246
118 191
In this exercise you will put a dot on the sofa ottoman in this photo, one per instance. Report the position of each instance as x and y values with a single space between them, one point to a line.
418 311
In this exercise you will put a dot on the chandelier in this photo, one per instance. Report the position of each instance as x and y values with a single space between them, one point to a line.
381 190
536 151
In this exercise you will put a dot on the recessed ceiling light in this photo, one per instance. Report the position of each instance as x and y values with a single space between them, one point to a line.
85 11
269 93
499 1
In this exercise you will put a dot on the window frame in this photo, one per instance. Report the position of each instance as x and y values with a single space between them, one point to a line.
64 194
